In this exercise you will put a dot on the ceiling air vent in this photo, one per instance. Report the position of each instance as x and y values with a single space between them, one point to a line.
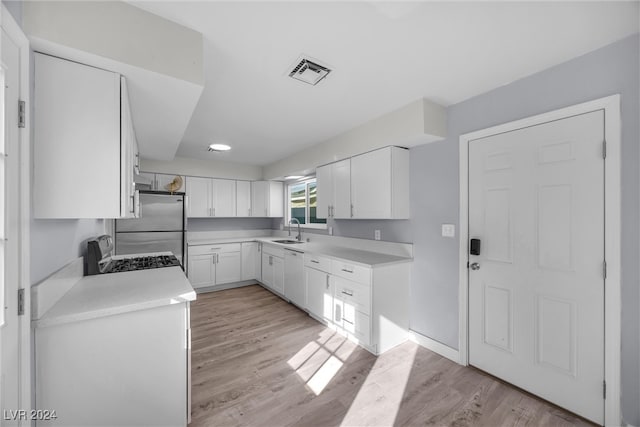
309 71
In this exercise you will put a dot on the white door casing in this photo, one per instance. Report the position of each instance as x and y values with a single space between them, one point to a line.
564 309
15 334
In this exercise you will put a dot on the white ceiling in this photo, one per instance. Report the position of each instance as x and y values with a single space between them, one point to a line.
383 54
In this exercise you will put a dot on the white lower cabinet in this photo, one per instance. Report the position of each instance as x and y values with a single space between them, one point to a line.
212 265
319 294
202 270
294 288
370 305
251 261
124 369
273 268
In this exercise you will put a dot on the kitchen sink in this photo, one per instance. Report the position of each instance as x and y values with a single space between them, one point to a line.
286 241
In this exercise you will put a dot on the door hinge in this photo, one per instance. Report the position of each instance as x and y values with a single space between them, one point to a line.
20 302
604 389
604 149
22 112
604 269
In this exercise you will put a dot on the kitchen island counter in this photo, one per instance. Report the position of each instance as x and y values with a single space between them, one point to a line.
116 293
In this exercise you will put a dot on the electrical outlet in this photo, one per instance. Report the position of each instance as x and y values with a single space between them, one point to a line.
330 231
376 235
448 230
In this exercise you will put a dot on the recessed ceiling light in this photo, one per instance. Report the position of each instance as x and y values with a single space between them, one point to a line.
219 147
293 177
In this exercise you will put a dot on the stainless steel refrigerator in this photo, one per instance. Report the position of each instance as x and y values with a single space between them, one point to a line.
161 226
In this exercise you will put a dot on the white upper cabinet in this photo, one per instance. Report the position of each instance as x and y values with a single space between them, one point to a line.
324 185
208 197
224 197
199 197
81 159
380 184
341 191
267 199
243 198
159 182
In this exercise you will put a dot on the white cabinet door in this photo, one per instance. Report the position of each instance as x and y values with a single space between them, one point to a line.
294 288
371 184
128 156
249 256
163 181
199 193
319 294
228 267
202 270
259 190
275 199
224 198
341 189
243 198
267 270
278 274
76 154
324 185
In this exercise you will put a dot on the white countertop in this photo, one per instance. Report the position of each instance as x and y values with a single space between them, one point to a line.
358 256
115 293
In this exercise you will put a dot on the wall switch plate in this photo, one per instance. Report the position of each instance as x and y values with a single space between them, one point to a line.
448 230
376 235
330 231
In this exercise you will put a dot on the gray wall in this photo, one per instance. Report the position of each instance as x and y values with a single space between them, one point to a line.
223 224
55 242
434 190
15 9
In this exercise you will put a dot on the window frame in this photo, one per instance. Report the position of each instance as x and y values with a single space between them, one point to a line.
287 218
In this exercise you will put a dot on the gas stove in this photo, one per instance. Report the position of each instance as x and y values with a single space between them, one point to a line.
142 263
100 260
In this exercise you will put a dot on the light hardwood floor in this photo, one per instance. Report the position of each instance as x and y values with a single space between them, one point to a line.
259 361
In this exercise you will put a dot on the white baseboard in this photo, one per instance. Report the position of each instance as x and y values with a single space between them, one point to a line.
435 346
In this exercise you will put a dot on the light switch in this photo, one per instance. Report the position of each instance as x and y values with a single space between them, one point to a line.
448 230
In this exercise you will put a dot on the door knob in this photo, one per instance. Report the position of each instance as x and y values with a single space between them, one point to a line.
475 266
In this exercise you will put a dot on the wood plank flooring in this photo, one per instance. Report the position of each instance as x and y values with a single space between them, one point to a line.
259 361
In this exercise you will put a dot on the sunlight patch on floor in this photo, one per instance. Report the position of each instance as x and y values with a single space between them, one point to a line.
324 375
319 361
380 396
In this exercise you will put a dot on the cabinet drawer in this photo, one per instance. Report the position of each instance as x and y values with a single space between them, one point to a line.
354 272
209 249
353 294
273 250
317 261
352 321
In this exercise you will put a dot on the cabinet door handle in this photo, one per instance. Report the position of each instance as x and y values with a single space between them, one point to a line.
328 211
352 210
214 211
333 211
347 271
345 320
327 281
315 262
348 293
133 205
270 260
213 249
338 315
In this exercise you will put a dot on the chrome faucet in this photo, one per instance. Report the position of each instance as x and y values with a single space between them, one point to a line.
299 236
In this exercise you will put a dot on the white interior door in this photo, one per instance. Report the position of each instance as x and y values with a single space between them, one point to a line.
10 331
536 290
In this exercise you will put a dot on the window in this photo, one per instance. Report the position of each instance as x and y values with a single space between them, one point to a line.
302 202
